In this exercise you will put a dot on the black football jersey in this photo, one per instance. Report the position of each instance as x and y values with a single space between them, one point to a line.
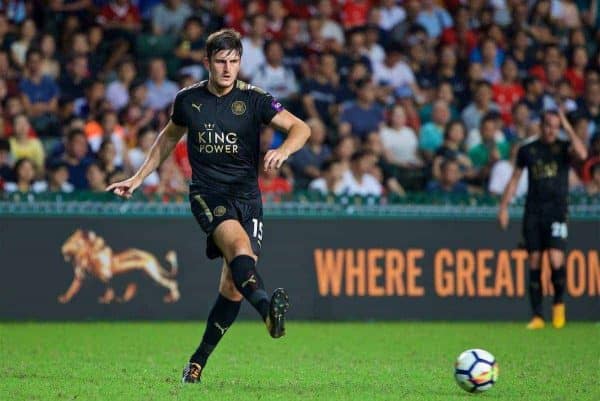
548 172
223 136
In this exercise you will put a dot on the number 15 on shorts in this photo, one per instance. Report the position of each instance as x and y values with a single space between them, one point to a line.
257 231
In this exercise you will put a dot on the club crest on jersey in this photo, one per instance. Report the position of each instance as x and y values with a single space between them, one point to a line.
238 107
219 211
212 140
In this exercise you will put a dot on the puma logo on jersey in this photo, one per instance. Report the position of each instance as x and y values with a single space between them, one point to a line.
197 106
252 280
220 328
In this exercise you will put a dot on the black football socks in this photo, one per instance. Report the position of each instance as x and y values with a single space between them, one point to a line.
558 281
535 291
221 317
249 283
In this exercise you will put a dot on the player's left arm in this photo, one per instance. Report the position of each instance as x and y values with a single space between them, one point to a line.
297 135
577 148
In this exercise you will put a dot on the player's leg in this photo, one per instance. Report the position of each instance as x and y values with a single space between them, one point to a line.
240 251
251 213
221 317
556 240
533 244
234 243
535 291
557 261
225 309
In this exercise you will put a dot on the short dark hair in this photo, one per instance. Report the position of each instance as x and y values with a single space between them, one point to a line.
548 113
75 132
56 165
225 39
270 43
360 154
451 124
483 83
31 52
97 164
329 163
105 143
193 20
20 162
529 80
488 117
519 104
447 162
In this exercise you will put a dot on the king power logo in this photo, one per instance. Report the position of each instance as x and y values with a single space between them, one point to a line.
212 141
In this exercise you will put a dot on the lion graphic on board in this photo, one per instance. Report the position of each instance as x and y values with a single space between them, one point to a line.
92 257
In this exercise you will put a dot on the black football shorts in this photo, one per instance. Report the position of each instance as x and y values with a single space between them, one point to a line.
210 210
541 232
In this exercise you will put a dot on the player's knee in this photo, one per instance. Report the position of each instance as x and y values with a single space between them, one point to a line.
228 290
557 259
241 247
534 261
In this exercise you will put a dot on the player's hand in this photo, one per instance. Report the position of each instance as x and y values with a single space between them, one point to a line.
124 188
503 217
562 114
275 158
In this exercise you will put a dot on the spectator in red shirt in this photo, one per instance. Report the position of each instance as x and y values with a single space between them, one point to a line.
460 35
181 158
508 91
120 15
552 54
355 13
121 21
271 185
276 13
576 72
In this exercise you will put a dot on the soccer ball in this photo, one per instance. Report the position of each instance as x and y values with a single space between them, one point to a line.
476 370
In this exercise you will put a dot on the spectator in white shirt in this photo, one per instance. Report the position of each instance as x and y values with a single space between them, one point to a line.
168 17
433 18
161 90
391 14
501 172
117 92
331 181
137 155
400 142
274 77
330 29
393 73
58 179
253 44
357 180
375 51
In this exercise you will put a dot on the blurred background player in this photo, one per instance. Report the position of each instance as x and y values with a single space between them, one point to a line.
547 160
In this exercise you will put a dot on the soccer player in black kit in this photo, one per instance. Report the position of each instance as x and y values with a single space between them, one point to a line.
547 160
222 117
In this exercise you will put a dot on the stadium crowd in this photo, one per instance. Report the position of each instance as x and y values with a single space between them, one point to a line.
401 96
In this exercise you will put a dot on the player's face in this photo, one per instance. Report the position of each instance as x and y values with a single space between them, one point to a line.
550 127
224 67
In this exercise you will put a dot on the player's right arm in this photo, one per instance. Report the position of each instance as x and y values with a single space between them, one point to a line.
162 147
507 196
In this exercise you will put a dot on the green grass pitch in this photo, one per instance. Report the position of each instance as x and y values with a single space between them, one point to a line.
315 361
